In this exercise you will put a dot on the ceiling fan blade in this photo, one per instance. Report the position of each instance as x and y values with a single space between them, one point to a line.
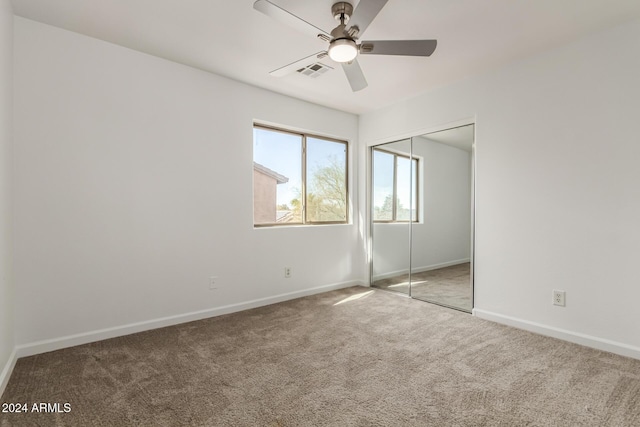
365 13
354 75
288 18
295 66
399 47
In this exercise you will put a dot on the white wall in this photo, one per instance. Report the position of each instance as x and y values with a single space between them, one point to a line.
391 249
134 185
558 199
6 136
442 235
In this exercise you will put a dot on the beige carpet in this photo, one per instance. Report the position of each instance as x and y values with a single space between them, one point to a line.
449 286
355 357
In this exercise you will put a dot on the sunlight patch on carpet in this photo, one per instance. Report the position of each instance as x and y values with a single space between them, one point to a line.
354 297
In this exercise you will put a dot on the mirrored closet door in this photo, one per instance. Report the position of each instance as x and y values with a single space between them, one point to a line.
422 217
392 211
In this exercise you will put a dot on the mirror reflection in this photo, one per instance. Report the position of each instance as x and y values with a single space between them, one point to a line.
422 192
392 199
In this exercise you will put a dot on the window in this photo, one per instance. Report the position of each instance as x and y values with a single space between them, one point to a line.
298 178
395 187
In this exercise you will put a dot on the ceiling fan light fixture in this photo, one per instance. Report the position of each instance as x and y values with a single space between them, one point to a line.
343 50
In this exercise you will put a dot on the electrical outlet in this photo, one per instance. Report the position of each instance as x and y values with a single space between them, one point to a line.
287 272
213 283
559 298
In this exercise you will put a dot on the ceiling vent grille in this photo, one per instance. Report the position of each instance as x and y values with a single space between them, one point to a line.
314 70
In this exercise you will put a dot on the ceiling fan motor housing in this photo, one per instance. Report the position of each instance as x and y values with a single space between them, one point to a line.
339 33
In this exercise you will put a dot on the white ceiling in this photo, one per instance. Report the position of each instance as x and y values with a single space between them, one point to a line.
232 39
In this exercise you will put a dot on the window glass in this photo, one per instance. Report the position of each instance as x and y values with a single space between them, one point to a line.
277 177
383 185
326 181
414 190
395 187
285 192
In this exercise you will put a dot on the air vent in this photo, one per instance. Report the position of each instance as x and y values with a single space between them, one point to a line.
314 70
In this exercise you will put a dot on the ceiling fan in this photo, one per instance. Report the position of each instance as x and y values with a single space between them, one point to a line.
343 39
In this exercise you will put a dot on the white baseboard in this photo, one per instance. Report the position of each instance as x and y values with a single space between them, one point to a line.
7 370
421 269
563 334
44 346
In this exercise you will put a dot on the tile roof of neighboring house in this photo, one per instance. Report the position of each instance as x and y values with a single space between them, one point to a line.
284 216
281 179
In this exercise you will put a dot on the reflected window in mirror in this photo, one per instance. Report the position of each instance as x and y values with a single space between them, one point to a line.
395 187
